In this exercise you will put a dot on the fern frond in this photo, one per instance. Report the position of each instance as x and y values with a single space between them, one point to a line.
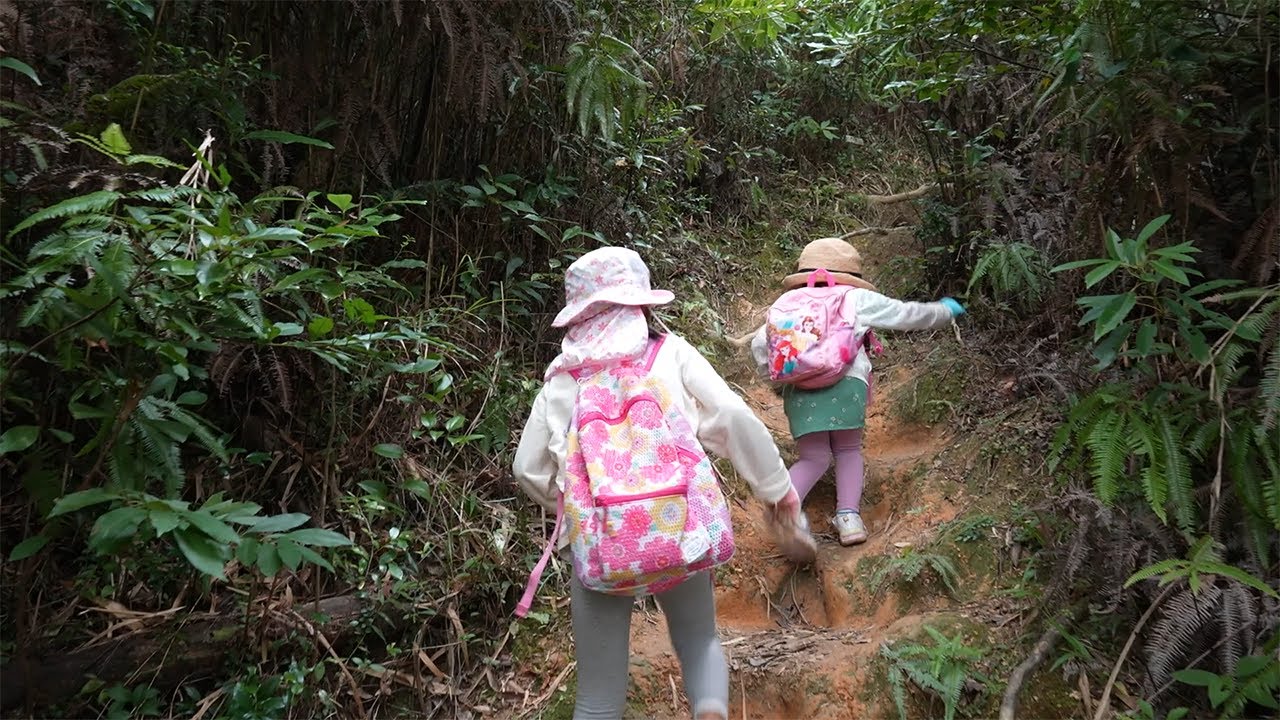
1109 448
1267 443
1179 631
898 688
94 202
1177 473
1269 389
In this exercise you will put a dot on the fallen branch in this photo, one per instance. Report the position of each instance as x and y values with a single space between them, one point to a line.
902 196
875 230
164 656
1104 703
1009 705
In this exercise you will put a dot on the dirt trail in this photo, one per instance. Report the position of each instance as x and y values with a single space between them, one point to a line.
801 641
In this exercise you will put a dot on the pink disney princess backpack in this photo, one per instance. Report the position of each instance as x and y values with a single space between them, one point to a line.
811 344
643 504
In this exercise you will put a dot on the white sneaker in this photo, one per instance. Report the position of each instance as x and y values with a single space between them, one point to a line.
849 524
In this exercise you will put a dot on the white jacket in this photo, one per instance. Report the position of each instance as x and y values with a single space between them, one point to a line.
867 309
725 426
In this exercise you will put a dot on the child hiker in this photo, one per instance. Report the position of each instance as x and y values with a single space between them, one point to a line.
614 446
818 341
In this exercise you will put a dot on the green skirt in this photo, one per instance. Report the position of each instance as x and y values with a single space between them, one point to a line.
842 406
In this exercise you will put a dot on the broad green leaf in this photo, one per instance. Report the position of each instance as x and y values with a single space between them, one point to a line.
293 280
1106 351
418 366
1195 676
247 551
387 450
113 139
192 397
268 559
269 234
82 499
18 66
1113 245
18 438
1197 345
1100 273
114 526
320 326
28 547
314 558
1146 337
213 527
1114 313
318 537
1151 228
203 554
1171 271
289 553
275 523
342 201
287 138
164 520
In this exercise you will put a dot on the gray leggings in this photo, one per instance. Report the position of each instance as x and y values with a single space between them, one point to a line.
602 634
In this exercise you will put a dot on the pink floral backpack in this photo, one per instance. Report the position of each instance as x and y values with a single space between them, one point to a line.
644 508
811 344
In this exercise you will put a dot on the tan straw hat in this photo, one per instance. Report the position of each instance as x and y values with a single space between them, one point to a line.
834 255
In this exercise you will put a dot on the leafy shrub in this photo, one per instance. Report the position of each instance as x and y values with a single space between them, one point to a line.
141 303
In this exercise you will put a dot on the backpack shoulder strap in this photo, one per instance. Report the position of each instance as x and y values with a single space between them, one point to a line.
654 346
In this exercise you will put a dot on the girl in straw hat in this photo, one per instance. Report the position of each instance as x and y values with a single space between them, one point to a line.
606 322
828 422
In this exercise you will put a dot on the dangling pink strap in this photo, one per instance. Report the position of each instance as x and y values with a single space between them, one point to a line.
535 577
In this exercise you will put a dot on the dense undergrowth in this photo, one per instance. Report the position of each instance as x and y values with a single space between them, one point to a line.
277 279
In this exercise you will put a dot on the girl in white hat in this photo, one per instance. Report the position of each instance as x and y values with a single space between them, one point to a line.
606 319
828 422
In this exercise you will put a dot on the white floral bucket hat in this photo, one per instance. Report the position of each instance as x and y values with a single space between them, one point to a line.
603 278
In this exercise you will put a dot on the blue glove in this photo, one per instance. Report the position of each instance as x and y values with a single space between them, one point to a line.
956 308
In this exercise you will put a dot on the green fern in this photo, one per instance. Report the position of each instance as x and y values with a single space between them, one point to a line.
910 565
92 203
941 669
600 86
1011 271
1269 389
1177 473
1109 449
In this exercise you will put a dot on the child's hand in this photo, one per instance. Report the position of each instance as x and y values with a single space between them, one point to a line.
956 308
791 530
788 506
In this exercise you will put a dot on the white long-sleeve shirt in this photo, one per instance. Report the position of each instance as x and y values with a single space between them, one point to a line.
725 426
867 309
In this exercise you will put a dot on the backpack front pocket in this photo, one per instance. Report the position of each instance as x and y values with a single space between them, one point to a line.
640 536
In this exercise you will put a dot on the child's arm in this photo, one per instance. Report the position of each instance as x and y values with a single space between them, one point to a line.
880 311
728 427
534 466
760 351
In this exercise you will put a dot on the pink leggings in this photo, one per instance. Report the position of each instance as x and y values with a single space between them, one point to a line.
815 450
